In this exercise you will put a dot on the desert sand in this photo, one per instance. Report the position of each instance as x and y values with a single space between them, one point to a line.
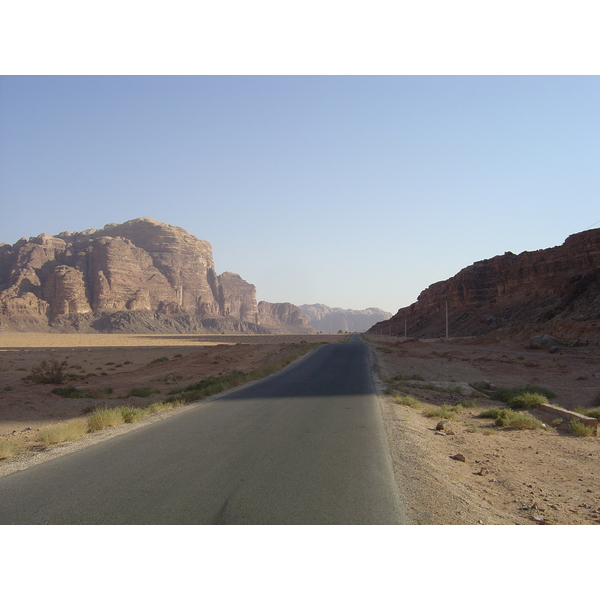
530 477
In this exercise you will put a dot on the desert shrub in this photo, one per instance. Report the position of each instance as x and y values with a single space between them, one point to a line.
48 371
593 412
467 403
443 412
576 427
596 400
556 422
407 400
526 400
410 377
159 360
71 392
157 407
507 394
515 420
143 392
131 414
490 413
8 448
62 432
104 418
103 392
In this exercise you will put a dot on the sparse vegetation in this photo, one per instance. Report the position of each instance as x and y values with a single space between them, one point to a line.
8 448
579 429
71 392
131 414
596 400
410 377
144 392
407 400
48 371
526 400
445 411
159 360
490 413
62 432
104 418
506 394
511 419
467 402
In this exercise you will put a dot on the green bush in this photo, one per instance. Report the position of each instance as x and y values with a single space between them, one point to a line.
596 400
490 413
71 392
507 394
443 412
515 420
159 360
143 392
411 377
526 400
576 427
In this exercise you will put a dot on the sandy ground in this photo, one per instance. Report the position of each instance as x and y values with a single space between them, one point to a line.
120 362
529 477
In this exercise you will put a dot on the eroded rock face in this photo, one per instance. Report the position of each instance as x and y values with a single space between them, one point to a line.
141 266
283 317
332 320
556 290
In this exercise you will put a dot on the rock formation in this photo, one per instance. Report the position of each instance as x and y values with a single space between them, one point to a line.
137 276
283 317
332 320
556 291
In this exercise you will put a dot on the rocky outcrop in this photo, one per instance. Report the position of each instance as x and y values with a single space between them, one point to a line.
283 317
142 268
556 290
332 320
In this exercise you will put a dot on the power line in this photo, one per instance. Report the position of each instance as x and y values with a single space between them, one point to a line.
596 223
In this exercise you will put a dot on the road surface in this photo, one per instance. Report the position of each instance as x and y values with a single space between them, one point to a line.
306 446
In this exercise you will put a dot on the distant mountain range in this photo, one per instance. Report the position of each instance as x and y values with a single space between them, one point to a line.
332 320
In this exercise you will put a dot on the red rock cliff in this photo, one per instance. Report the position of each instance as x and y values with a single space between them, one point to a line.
553 289
140 266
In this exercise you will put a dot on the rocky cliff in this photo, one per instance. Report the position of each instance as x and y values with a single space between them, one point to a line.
556 290
137 276
283 317
332 320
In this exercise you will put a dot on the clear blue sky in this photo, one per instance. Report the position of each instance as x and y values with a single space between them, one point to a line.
349 191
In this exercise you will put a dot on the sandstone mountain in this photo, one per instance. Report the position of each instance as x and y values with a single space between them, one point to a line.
332 320
553 291
138 276
283 317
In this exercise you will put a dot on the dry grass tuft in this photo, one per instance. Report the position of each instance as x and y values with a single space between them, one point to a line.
105 418
62 432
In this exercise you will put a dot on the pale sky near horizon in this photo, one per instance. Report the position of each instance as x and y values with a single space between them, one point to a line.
348 191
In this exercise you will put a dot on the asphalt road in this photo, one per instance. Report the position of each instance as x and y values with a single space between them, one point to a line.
306 446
